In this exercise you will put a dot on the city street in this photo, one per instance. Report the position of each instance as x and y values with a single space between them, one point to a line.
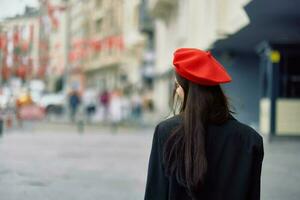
83 83
39 164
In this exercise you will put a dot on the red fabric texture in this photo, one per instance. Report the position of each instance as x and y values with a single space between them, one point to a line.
199 67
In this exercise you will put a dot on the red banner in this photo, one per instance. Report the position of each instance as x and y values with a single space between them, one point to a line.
3 41
5 72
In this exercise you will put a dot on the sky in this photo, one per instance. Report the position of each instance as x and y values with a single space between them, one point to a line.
9 8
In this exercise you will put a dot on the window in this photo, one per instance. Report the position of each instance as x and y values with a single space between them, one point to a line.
290 75
98 25
99 3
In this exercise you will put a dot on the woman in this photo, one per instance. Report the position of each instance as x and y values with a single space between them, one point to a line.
203 152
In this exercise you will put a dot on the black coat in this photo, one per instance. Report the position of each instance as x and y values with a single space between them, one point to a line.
234 154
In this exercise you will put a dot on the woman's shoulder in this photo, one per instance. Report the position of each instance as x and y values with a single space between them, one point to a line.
236 132
165 127
232 130
170 122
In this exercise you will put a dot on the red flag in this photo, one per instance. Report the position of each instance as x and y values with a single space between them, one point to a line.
41 71
121 42
16 37
30 66
31 34
52 13
110 42
50 9
25 46
3 41
21 71
5 72
96 44
55 22
73 56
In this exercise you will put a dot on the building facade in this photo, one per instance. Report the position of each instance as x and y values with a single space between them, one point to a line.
115 44
188 23
20 47
263 60
54 37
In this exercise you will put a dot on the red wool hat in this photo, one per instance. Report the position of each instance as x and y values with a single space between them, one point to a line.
199 67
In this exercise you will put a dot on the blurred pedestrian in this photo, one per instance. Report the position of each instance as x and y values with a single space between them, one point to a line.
203 152
74 102
115 109
89 102
23 100
104 102
1 121
137 107
126 107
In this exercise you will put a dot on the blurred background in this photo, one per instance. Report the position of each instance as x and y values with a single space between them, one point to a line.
84 82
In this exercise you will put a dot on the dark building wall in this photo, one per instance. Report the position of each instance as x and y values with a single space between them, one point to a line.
244 90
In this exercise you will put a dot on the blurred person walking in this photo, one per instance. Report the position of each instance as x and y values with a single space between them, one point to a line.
137 108
74 102
104 99
115 109
203 152
89 102
23 100
126 107
1 121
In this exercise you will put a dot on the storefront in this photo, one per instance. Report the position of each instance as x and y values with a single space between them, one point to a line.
280 94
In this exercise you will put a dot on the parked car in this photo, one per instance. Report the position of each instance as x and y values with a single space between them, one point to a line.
53 103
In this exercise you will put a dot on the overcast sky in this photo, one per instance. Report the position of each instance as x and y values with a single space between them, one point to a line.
9 8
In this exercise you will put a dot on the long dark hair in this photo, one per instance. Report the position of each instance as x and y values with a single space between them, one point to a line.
184 150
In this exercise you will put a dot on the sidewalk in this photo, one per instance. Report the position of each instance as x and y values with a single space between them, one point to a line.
52 160
62 123
281 170
89 127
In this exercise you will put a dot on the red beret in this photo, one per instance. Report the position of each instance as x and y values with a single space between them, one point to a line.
199 67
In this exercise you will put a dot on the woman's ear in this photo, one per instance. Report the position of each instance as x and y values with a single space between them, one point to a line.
180 92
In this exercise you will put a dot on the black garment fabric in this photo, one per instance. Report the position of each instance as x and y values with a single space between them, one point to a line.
234 154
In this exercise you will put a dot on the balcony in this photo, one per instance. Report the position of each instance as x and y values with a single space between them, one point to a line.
162 8
103 62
